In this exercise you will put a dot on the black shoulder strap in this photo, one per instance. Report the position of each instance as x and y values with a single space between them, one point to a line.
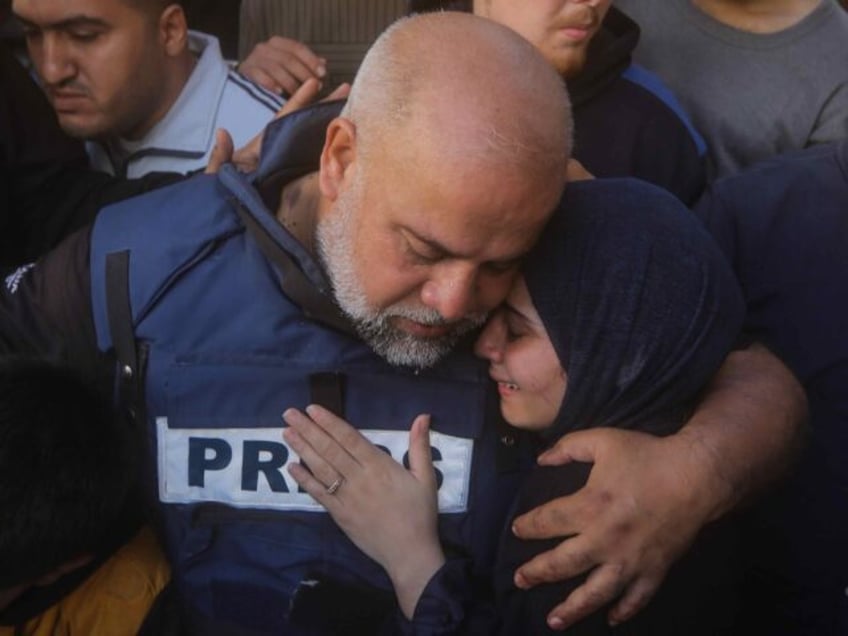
119 311
316 305
119 314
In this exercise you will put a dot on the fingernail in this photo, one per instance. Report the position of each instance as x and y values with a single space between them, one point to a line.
555 622
515 530
520 581
321 70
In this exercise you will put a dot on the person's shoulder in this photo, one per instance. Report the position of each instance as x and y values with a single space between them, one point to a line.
649 94
189 206
249 91
801 172
245 108
236 91
833 15
795 198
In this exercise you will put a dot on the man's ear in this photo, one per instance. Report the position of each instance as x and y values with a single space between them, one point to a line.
173 30
338 157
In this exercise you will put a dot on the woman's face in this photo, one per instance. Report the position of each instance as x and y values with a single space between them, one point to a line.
523 362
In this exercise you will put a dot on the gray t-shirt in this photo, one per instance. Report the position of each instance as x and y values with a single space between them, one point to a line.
751 95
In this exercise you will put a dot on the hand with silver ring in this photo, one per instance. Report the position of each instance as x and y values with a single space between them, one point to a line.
386 508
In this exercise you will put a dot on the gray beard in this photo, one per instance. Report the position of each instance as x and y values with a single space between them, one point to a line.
334 239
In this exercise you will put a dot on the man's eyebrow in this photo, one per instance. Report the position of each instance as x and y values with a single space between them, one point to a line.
71 22
432 244
445 251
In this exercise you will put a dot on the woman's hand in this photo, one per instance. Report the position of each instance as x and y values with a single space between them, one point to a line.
389 512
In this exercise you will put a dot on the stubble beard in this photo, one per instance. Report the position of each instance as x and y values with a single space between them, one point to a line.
335 243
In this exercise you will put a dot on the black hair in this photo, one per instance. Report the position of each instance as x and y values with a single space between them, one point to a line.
65 469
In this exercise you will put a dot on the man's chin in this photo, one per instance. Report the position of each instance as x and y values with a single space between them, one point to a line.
402 349
423 331
80 127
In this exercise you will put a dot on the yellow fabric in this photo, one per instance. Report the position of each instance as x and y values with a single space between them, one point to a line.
113 601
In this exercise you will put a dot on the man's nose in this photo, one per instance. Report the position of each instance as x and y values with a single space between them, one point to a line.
452 291
52 60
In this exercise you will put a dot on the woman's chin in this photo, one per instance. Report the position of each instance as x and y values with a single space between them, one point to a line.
523 418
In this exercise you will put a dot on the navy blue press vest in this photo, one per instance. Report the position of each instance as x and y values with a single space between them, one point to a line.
219 346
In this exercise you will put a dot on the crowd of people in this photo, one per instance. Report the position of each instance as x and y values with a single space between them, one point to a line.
536 325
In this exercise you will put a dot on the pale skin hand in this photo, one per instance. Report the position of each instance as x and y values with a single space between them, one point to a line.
647 497
246 158
390 513
282 65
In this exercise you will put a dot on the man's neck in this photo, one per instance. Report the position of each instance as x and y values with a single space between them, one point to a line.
298 209
758 16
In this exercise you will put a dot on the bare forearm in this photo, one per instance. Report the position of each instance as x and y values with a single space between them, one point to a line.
746 430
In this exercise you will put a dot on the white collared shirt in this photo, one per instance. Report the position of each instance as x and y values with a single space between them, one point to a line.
214 97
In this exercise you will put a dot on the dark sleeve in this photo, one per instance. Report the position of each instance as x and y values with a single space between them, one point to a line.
451 604
45 309
47 189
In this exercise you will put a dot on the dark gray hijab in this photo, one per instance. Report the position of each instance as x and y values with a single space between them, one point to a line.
641 308
638 301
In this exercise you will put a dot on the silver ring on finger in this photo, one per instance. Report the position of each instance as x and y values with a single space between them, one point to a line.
334 487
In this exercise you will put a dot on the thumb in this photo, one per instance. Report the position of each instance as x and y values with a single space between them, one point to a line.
222 151
420 459
580 446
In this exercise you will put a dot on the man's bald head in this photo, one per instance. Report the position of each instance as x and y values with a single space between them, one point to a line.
474 87
436 180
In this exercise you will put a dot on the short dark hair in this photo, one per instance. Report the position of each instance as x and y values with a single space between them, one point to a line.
65 469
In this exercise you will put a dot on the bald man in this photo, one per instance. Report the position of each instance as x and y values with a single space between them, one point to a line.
369 243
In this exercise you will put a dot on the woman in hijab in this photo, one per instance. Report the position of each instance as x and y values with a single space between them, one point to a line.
624 311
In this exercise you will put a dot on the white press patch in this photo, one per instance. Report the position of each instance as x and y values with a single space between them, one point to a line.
246 467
